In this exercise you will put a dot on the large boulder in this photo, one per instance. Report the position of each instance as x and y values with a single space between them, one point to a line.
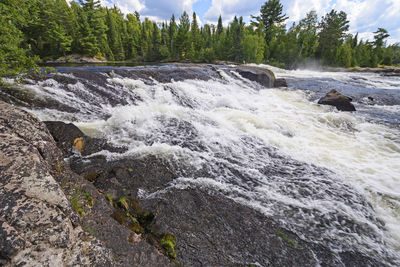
37 224
70 139
338 100
262 76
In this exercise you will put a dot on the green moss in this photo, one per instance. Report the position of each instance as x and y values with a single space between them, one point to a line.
126 219
130 169
128 213
287 239
168 242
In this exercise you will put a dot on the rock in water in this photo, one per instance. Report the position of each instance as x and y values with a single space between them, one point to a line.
262 76
280 82
341 102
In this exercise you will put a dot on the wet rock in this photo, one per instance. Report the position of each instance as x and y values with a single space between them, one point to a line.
69 137
336 99
64 134
212 230
280 82
262 76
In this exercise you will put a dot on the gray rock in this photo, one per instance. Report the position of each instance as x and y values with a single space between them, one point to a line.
280 82
36 219
336 99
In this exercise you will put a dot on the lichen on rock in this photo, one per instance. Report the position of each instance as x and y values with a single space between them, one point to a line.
36 219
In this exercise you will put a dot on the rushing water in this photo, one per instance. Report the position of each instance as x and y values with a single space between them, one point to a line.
332 177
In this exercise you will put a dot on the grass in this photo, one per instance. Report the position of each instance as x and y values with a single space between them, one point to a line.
80 199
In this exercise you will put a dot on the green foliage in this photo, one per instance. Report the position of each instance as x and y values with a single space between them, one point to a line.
14 57
54 28
333 28
271 15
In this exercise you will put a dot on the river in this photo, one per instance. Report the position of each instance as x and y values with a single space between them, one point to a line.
331 177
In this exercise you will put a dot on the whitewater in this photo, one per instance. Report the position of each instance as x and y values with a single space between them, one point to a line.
331 177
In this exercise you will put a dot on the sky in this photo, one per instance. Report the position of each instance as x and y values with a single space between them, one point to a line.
365 15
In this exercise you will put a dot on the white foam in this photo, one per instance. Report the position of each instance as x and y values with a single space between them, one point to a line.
234 126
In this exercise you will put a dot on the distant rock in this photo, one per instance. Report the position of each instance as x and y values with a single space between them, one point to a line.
262 76
75 58
280 82
341 102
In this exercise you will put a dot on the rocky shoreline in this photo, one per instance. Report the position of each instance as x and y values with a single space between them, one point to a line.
62 202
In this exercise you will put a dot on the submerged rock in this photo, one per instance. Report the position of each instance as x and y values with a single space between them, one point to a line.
336 99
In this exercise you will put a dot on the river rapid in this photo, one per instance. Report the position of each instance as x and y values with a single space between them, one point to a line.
331 177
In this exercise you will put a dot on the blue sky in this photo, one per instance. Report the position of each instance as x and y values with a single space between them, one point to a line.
365 15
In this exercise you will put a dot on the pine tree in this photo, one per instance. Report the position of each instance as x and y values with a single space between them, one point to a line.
333 28
173 33
271 15
220 27
13 58
183 36
195 45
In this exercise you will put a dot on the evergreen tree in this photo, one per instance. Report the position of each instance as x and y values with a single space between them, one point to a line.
220 27
173 33
13 58
196 42
132 43
271 15
55 28
95 16
333 28
307 35
183 36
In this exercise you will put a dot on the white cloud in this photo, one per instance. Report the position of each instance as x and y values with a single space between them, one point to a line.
297 9
126 6
365 15
230 8
159 10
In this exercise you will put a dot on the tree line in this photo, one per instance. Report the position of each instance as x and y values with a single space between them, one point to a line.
34 30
